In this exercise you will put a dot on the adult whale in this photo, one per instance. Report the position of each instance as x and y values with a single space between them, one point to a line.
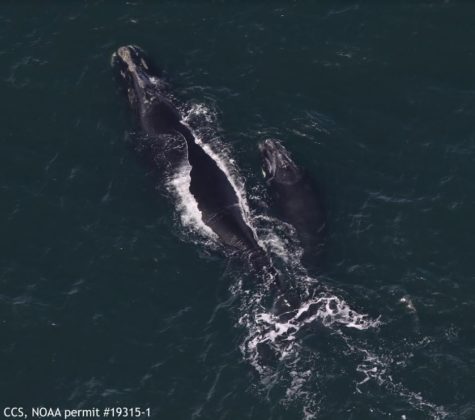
159 118
296 197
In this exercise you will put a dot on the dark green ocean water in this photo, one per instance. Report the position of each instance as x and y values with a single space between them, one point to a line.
107 299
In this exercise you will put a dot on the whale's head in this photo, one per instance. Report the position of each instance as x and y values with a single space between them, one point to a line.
277 165
136 73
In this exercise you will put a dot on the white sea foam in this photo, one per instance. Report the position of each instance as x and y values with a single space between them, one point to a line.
199 110
376 368
190 215
279 239
280 332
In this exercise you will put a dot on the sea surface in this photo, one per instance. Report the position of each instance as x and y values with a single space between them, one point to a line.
112 294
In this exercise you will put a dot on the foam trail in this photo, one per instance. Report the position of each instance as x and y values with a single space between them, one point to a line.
376 368
263 327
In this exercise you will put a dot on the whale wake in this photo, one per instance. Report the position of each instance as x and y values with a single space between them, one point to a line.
284 349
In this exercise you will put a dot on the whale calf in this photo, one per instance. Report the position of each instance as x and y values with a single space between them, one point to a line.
296 197
159 119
